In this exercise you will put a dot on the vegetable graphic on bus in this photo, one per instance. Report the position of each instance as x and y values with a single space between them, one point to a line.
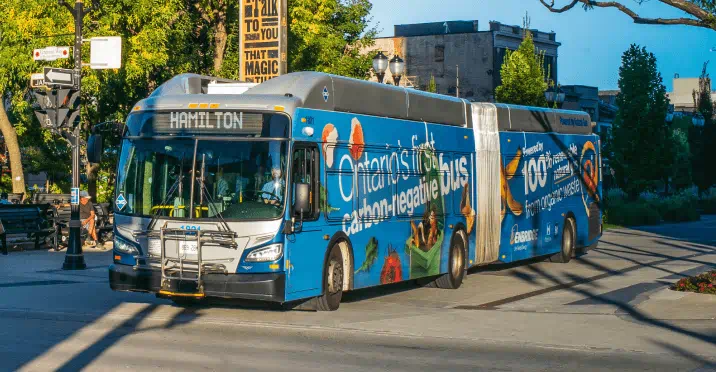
425 243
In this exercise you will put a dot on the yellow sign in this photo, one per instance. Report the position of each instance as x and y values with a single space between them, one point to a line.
263 39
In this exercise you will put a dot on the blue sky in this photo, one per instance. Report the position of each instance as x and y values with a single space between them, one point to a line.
592 42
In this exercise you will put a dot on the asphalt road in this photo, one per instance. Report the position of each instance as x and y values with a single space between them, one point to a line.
608 310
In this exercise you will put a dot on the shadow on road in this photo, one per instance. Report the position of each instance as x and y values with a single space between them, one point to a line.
575 284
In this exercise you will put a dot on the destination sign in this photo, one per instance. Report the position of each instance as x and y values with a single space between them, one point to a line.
263 40
209 122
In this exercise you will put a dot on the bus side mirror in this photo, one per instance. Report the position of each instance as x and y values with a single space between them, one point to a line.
94 148
301 204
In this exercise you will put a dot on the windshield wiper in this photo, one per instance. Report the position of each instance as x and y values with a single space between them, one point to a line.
170 193
204 191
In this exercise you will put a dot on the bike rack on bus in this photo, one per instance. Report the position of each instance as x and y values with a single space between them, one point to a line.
169 265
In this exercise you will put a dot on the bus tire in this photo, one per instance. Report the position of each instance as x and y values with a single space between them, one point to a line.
569 234
332 282
456 264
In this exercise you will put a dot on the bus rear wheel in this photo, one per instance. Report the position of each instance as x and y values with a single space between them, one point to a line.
456 264
332 282
568 243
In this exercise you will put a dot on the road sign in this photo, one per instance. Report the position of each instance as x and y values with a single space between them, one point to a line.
75 196
37 80
51 53
105 52
59 77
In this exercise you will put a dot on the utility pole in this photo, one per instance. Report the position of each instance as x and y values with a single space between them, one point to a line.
457 89
74 258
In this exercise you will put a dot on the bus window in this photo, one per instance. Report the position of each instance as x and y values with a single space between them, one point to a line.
305 170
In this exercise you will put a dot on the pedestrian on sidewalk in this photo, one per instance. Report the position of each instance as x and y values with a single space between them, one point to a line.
87 216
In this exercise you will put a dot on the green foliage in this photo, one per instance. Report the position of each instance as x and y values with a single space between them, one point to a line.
327 36
6 183
651 209
681 174
703 139
160 40
641 141
633 214
708 200
704 283
432 86
56 189
677 208
523 76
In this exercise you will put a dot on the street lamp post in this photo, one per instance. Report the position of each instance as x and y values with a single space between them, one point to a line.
397 68
380 65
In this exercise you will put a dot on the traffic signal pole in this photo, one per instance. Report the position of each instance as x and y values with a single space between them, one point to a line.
74 258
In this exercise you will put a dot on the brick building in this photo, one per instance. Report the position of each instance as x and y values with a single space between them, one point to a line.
456 51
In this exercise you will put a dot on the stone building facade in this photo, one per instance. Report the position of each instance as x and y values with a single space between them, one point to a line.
462 59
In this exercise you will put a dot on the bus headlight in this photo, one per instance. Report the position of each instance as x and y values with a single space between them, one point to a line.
266 254
124 246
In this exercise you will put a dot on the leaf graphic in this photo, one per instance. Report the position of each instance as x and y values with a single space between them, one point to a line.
323 202
371 253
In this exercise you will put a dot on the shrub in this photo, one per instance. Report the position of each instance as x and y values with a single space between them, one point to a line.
648 196
633 214
691 193
708 200
678 208
615 195
704 283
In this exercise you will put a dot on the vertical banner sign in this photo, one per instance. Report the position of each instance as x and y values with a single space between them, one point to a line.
75 196
264 33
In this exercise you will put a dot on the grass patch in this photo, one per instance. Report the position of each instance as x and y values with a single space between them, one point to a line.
610 226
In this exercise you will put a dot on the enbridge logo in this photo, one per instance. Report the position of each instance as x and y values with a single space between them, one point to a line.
518 237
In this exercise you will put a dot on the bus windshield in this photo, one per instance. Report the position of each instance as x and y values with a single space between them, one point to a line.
233 180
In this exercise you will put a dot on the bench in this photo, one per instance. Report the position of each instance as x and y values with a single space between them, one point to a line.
35 220
53 199
103 225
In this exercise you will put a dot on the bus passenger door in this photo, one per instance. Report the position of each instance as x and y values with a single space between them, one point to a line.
305 248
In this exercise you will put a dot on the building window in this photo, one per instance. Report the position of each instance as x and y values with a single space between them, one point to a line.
439 53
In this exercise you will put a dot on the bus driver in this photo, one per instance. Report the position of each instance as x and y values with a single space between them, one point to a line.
272 191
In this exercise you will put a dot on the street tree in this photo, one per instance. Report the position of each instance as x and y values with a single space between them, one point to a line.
26 24
327 36
641 143
700 13
523 76
682 169
703 138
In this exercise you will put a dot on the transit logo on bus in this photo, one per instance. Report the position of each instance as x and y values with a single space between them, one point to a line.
518 237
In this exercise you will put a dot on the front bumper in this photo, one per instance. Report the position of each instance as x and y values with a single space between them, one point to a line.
265 287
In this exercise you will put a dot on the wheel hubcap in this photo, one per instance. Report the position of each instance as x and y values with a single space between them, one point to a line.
335 277
456 265
567 241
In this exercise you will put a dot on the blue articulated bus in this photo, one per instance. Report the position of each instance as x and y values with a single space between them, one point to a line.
310 185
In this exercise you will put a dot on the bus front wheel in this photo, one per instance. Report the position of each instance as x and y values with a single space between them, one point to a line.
569 234
456 264
332 282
